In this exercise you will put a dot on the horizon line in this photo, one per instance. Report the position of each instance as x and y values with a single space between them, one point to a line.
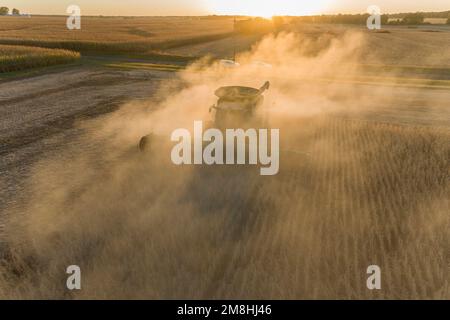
220 15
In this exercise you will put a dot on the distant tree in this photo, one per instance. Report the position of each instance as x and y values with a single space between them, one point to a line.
4 11
15 12
413 18
448 21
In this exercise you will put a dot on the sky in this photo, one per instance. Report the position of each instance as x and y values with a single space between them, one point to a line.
265 8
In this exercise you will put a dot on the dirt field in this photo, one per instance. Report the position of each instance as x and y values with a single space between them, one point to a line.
363 177
39 115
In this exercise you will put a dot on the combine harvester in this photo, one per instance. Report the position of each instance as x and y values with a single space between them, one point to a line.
236 108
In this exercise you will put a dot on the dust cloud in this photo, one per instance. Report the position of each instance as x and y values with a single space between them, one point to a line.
140 227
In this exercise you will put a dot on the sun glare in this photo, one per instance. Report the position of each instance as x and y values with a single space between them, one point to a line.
268 8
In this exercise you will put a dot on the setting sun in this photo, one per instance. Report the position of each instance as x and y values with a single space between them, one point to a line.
268 8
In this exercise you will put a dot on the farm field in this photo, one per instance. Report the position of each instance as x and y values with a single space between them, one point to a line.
367 192
113 28
364 119
424 46
182 38
113 34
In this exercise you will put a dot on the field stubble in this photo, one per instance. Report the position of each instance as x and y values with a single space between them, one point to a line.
369 193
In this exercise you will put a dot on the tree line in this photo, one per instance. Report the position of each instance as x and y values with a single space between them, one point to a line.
5 11
416 18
